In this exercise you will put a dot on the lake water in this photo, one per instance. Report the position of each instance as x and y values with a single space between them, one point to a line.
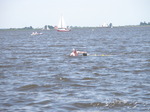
38 75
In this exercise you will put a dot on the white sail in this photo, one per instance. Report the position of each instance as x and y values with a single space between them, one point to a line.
62 23
62 26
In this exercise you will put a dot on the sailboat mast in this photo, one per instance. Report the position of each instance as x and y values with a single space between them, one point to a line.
61 22
61 26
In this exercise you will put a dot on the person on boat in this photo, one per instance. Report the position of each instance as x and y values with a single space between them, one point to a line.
75 53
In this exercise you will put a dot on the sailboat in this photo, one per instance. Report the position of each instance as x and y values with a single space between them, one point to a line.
62 26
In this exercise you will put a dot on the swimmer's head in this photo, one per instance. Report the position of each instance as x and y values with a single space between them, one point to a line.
74 50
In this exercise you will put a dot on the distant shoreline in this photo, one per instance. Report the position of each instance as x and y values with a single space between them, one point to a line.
75 27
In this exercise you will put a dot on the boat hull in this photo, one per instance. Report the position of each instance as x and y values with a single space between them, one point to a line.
63 30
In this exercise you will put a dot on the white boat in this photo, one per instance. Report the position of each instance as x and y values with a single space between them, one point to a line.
105 25
62 26
36 33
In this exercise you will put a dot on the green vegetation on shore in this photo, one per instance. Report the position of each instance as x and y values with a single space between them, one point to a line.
50 27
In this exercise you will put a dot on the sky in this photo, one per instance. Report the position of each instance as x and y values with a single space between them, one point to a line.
38 13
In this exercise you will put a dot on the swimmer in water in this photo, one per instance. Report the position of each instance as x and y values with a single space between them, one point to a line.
75 53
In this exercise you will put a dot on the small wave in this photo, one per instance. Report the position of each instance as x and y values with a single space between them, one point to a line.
2 76
6 66
88 78
41 102
97 74
45 87
120 103
115 103
7 104
85 105
13 58
28 87
79 85
141 71
98 67
64 79
56 46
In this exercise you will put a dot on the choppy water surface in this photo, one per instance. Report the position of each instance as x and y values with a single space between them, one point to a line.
37 74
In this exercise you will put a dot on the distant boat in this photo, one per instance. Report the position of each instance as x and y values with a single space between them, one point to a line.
107 25
62 26
36 33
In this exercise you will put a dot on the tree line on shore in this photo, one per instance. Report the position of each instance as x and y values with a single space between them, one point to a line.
49 27
144 23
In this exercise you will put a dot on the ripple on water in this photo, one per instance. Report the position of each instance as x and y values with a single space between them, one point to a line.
38 75
109 104
28 87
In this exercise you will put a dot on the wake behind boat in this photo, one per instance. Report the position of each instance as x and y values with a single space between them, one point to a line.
62 26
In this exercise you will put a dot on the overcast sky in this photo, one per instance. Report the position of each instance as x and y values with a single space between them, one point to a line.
37 13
